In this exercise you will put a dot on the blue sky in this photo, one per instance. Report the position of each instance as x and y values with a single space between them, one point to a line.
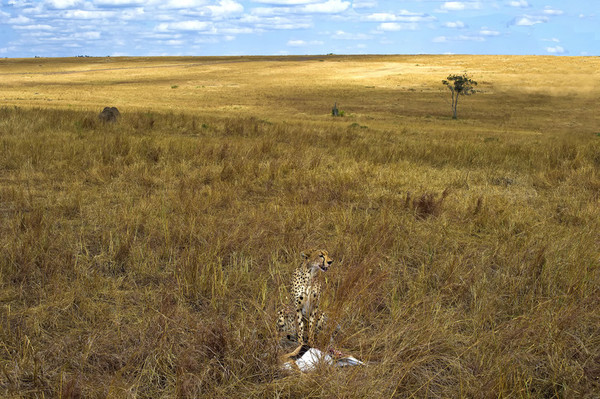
252 27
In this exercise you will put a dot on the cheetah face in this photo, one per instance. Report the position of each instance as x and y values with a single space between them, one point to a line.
317 260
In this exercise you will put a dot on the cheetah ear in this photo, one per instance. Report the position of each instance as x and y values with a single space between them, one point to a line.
306 254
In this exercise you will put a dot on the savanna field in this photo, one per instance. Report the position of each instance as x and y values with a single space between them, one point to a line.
148 258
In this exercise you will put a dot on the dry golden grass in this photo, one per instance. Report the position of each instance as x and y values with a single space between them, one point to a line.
148 258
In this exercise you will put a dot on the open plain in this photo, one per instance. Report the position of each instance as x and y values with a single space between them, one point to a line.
147 258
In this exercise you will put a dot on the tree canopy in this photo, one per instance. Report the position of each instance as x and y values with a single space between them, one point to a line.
459 85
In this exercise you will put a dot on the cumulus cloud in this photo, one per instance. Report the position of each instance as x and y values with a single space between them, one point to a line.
519 3
455 24
357 4
20 20
342 35
302 43
275 22
396 26
92 35
291 7
328 7
185 26
60 4
446 39
381 16
488 32
271 11
460 5
37 27
226 8
118 3
287 2
84 14
553 11
529 20
555 50
184 4
401 16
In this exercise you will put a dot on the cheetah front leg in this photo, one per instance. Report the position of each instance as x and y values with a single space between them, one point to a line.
300 320
316 324
321 321
281 320
311 329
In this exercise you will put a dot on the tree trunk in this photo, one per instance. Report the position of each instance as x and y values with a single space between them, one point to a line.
454 106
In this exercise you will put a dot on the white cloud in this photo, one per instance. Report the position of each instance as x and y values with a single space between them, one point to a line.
329 7
453 6
519 3
287 2
460 5
395 26
234 31
341 35
381 17
84 14
34 27
553 11
271 11
555 50
473 38
184 3
185 26
364 3
488 32
275 23
118 3
455 25
132 13
302 7
174 42
19 20
87 35
401 16
302 43
528 20
226 8
446 39
62 3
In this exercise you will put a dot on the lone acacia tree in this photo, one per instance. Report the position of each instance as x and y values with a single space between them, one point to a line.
459 85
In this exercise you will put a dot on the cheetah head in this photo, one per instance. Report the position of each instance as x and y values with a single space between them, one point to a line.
316 260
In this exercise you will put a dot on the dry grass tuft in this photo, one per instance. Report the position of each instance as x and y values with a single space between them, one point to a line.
428 204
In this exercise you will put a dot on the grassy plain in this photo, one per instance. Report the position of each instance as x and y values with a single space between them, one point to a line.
148 258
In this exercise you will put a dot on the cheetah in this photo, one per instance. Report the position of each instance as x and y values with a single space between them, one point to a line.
306 293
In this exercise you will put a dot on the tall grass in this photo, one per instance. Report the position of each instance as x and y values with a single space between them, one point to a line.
148 258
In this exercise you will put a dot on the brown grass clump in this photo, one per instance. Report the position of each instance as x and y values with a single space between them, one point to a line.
428 204
148 258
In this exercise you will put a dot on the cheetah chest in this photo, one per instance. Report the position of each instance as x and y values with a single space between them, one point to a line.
307 293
